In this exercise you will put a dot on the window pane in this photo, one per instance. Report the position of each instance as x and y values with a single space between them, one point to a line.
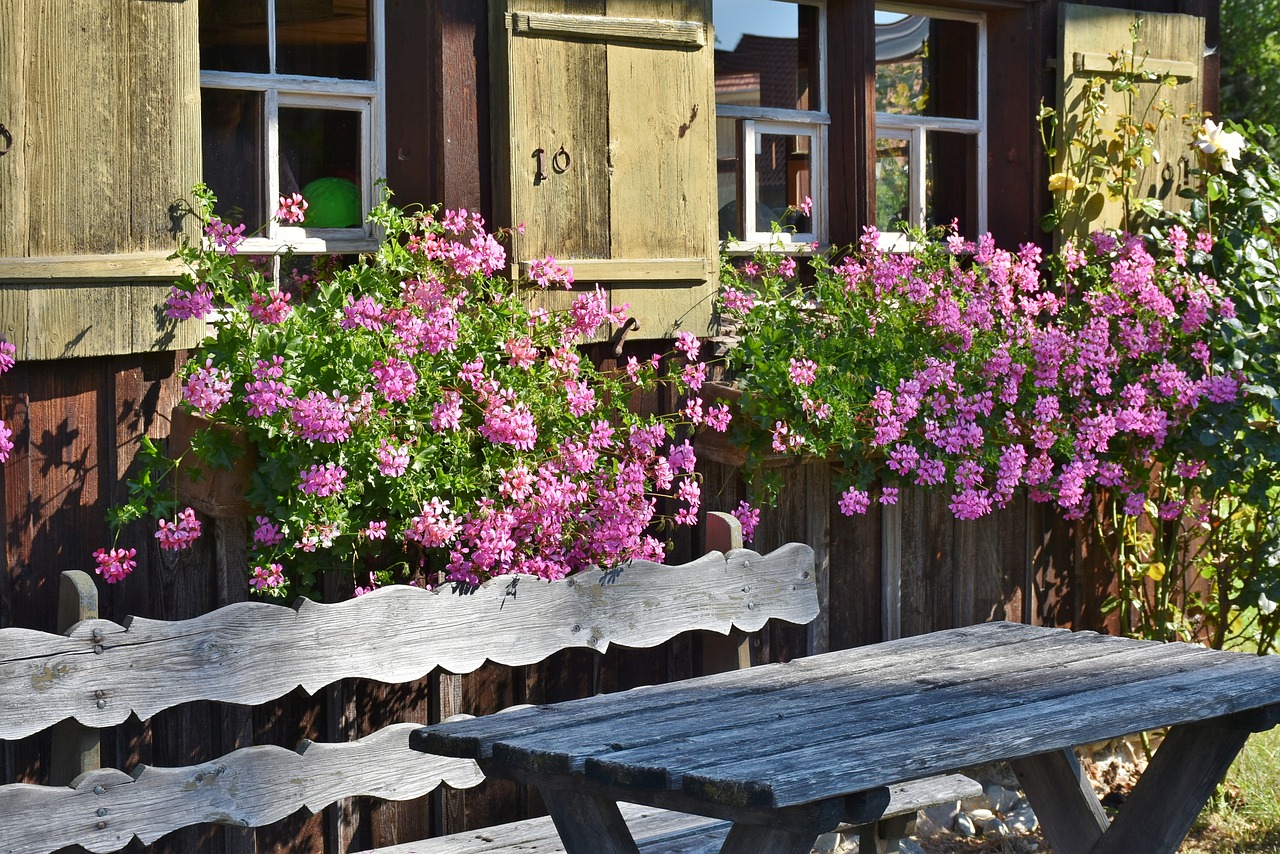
893 186
231 127
729 177
951 180
766 54
323 38
233 35
320 158
783 180
926 66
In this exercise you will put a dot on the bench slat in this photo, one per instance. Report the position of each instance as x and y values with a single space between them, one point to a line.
150 665
250 787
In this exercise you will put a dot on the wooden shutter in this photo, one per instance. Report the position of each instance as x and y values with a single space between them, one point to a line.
619 98
101 100
1174 45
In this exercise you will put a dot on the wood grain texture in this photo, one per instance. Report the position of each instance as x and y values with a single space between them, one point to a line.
1174 44
1070 813
1158 813
247 788
612 29
656 831
833 724
152 665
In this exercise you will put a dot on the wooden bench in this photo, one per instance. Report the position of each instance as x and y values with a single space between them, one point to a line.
99 672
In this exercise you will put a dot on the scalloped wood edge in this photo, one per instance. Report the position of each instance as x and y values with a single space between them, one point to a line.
104 810
253 652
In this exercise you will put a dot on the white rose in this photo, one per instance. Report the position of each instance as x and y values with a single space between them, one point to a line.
1214 139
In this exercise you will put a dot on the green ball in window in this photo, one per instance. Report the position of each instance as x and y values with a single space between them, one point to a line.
332 203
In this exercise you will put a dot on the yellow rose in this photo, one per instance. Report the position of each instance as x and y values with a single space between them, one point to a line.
1063 181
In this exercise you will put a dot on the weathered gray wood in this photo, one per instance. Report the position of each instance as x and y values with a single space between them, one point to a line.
1071 815
641 755
152 665
76 748
250 787
1086 688
588 824
1081 714
656 832
911 797
814 817
1189 765
476 738
745 839
883 836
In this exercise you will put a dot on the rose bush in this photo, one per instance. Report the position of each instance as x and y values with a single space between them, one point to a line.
418 416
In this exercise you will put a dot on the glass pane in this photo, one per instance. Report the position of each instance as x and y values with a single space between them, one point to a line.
323 38
951 180
893 185
729 177
320 158
766 54
926 66
231 129
233 35
783 179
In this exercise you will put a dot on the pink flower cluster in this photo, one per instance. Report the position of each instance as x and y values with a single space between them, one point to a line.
116 564
984 375
180 533
412 409
7 361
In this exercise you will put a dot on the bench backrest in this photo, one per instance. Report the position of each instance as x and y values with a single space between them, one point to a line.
249 653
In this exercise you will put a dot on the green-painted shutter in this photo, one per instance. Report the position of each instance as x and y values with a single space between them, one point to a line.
619 97
101 100
1173 45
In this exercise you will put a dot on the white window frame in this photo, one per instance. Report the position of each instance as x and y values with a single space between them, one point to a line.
366 97
915 130
752 122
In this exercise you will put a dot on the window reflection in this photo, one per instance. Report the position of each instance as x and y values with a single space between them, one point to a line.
783 180
766 54
323 38
231 128
320 158
893 183
911 53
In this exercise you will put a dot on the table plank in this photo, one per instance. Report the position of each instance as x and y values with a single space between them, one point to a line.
475 738
774 711
816 769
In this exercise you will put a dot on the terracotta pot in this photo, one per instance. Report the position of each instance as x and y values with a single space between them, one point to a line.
213 491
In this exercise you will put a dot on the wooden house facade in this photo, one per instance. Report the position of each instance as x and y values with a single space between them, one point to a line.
630 137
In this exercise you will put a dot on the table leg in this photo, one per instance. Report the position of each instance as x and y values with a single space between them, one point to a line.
1183 774
1064 802
588 824
755 839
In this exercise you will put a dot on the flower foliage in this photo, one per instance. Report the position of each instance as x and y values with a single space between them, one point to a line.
978 371
416 414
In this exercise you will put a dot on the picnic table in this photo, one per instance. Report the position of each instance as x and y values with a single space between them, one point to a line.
788 751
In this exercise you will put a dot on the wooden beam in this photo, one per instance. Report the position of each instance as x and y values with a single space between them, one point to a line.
1070 813
600 28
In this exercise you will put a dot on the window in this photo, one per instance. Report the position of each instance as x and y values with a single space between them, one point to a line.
291 102
931 118
771 118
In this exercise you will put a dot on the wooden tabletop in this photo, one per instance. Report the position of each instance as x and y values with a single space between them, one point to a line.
856 720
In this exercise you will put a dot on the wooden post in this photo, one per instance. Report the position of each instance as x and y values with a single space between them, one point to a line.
76 748
721 653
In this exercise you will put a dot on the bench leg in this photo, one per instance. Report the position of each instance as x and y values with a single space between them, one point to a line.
588 824
883 836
